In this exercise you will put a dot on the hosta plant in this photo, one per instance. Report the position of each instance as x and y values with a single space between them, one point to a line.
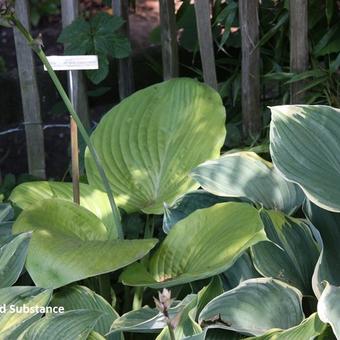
247 247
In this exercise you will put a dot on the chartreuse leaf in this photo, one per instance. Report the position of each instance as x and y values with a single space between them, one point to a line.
255 306
328 235
70 325
149 320
329 307
13 323
309 328
204 244
305 139
80 297
245 174
69 243
187 204
12 258
151 141
96 201
293 253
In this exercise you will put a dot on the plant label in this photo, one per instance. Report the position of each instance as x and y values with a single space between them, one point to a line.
73 62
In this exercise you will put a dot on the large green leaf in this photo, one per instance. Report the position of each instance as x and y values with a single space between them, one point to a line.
308 329
80 297
245 174
293 253
304 145
71 325
187 204
204 244
12 258
255 306
151 141
12 324
328 235
149 320
27 194
69 243
329 308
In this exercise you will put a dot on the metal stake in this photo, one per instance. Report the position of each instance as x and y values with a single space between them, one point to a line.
74 144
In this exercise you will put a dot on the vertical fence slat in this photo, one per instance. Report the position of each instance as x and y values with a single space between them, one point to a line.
30 96
169 39
70 11
202 10
125 67
298 11
251 109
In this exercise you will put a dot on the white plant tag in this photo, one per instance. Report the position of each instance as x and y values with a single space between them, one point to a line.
73 62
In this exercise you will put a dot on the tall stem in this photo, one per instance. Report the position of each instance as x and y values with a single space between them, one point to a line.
37 49
138 298
171 332
148 233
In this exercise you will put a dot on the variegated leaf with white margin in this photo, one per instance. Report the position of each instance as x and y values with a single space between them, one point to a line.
80 297
329 307
27 194
243 269
305 148
255 307
309 328
6 212
76 324
187 204
13 254
151 141
293 253
245 174
327 233
13 324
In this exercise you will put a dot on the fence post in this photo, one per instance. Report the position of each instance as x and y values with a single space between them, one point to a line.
298 16
125 68
30 96
69 12
169 39
202 10
251 109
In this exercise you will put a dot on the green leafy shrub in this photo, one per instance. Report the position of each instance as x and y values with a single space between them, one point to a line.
100 36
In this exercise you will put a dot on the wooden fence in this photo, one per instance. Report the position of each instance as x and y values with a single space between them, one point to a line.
249 25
